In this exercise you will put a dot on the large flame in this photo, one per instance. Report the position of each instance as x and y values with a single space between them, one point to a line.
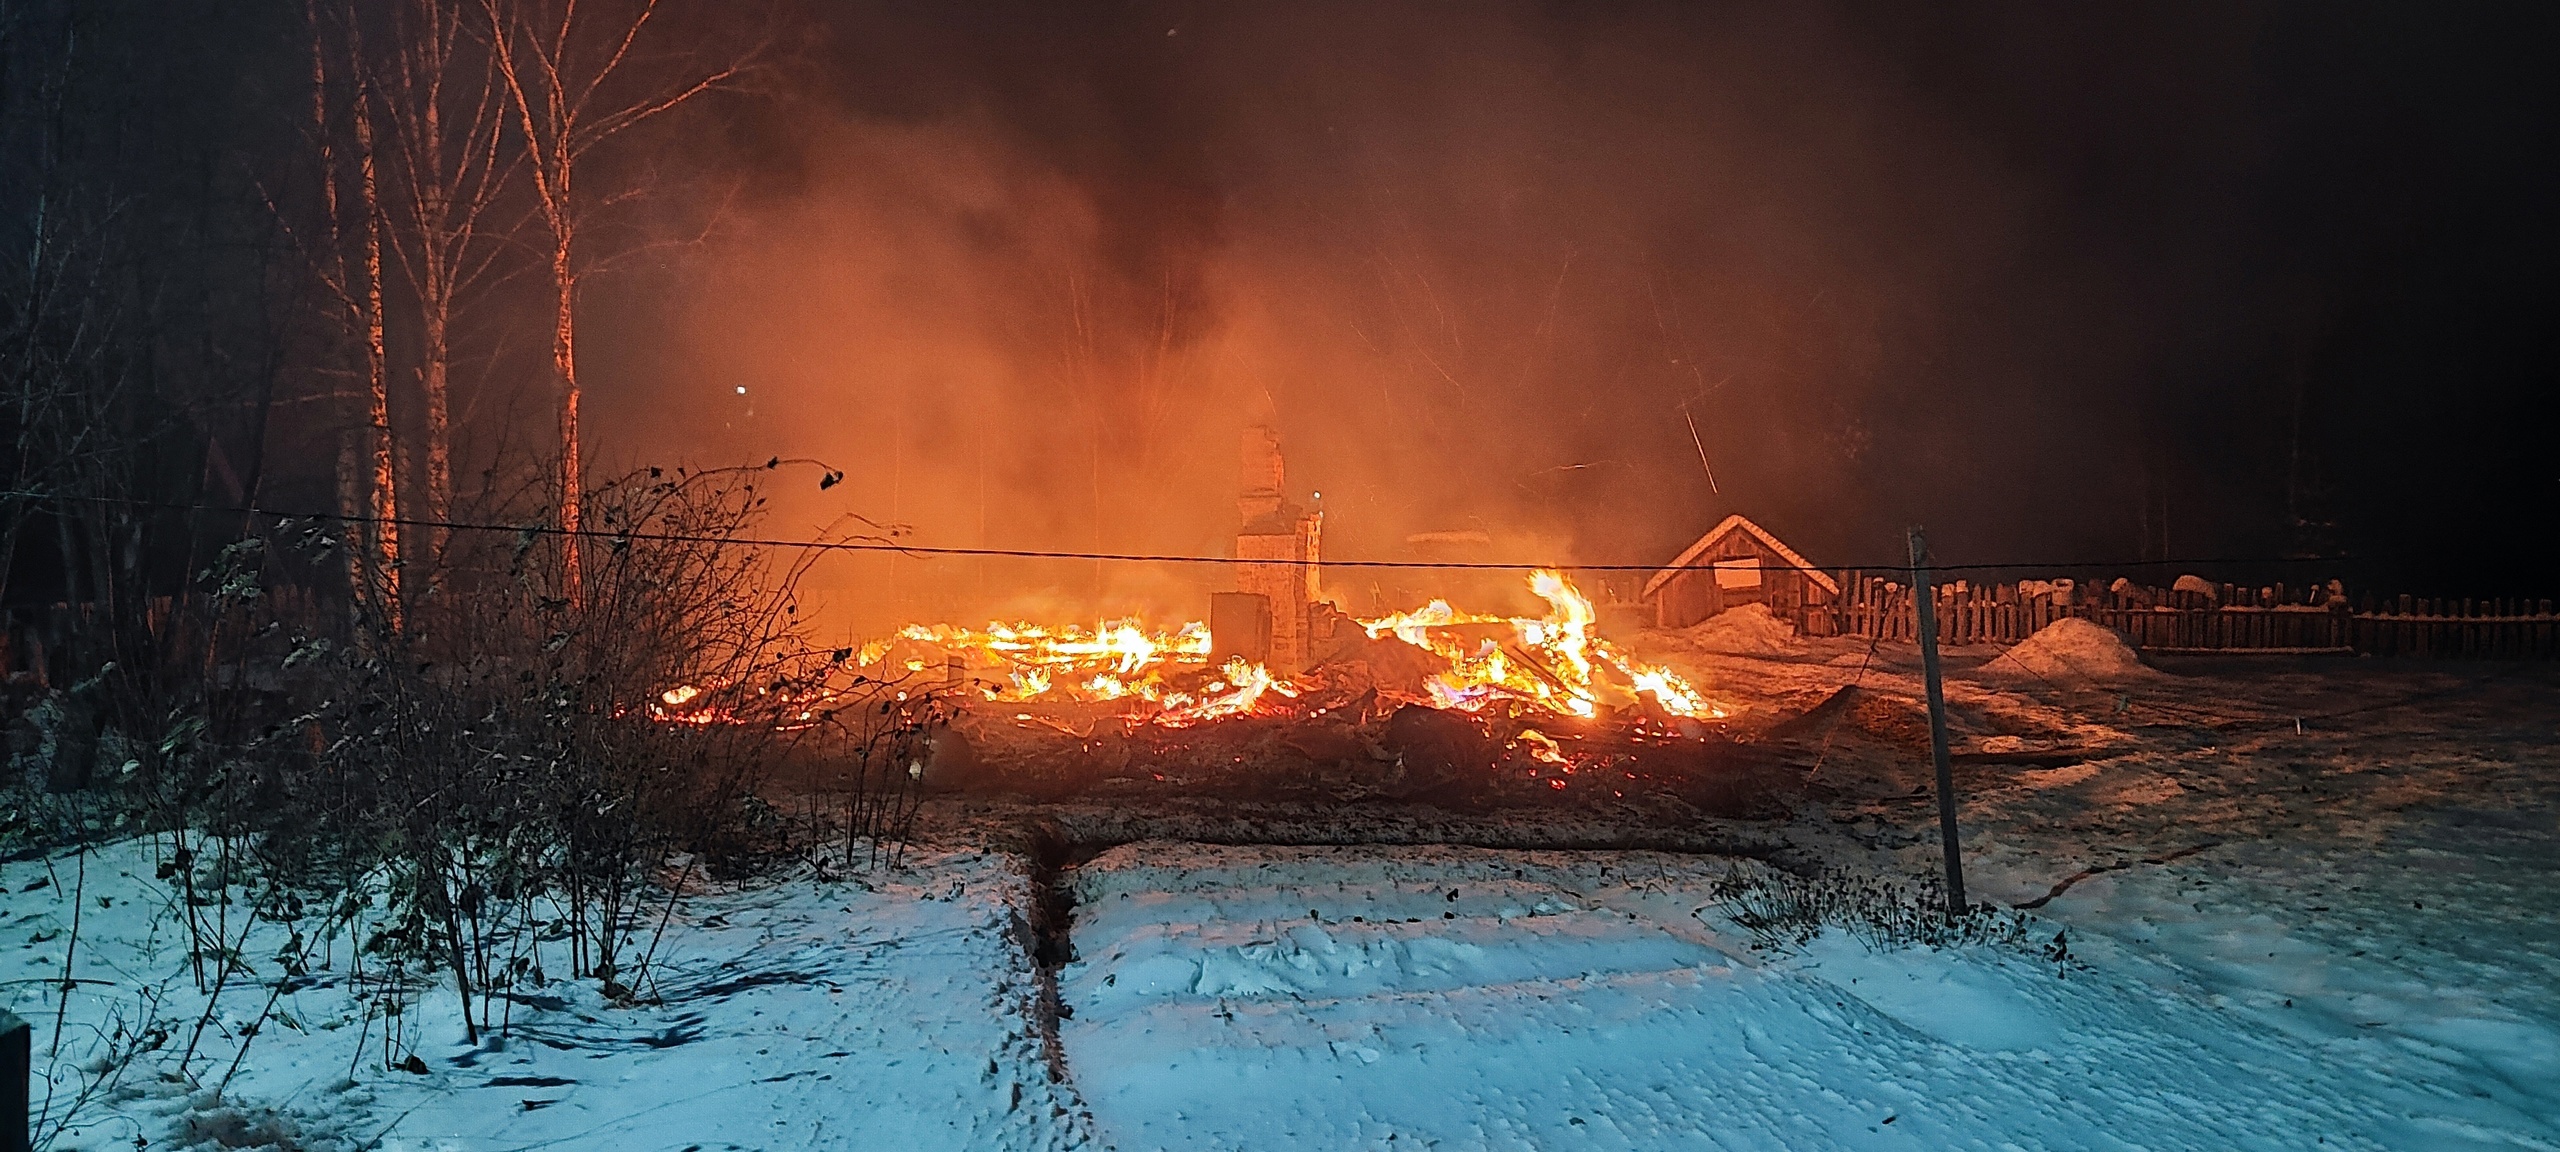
1116 660
1553 662
1241 686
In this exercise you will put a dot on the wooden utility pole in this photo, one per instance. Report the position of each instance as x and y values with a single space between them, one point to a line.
1925 600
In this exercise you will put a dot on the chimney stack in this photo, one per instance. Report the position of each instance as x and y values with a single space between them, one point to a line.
1279 542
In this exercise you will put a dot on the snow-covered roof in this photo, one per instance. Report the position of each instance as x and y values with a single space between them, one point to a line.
1738 523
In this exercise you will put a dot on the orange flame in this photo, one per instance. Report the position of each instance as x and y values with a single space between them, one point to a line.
1119 659
1553 662
1243 687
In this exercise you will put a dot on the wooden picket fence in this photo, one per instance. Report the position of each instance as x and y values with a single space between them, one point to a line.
2505 629
2270 620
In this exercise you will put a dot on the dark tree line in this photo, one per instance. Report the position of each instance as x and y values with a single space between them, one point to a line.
273 277
263 256
141 322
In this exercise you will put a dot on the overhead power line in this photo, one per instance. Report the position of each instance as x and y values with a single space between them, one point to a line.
880 545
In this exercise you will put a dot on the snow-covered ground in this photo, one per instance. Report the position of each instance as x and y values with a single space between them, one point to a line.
2354 859
1344 998
895 1013
2312 904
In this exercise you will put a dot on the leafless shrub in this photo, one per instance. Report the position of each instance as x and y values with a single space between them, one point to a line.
877 767
1783 912
530 764
94 1067
513 779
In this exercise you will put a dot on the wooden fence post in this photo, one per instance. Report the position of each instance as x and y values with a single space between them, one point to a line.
17 1132
1925 600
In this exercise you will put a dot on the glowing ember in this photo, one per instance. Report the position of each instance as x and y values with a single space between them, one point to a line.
1544 747
686 704
785 705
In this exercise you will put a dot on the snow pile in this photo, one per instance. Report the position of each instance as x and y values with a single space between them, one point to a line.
2069 649
1750 630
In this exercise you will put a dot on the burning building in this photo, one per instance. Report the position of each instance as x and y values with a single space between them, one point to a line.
1273 651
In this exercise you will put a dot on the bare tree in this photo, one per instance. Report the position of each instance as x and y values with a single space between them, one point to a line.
60 319
577 76
443 109
79 403
131 317
354 284
381 447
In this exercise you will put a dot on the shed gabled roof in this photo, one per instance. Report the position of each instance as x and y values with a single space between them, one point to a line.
1738 523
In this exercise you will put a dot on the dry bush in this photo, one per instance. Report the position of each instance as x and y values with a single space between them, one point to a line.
872 784
513 784
1783 911
538 760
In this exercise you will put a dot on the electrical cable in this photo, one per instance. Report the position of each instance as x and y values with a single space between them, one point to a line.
878 544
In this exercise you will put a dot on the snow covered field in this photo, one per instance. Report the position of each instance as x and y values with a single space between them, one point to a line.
2313 905
1341 998
798 1014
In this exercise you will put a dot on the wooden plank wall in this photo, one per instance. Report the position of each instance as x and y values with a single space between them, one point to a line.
2269 619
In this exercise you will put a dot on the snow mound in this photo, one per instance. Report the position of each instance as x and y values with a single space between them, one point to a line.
2070 649
1750 630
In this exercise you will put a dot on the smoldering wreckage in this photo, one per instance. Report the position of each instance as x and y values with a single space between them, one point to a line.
1281 706
1280 696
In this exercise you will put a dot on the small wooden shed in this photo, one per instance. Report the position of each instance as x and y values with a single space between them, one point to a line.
1736 563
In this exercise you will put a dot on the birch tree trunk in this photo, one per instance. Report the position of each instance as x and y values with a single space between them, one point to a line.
564 361
372 535
568 74
443 109
385 458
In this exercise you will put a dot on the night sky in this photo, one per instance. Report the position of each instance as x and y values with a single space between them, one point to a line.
2065 284
2074 286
